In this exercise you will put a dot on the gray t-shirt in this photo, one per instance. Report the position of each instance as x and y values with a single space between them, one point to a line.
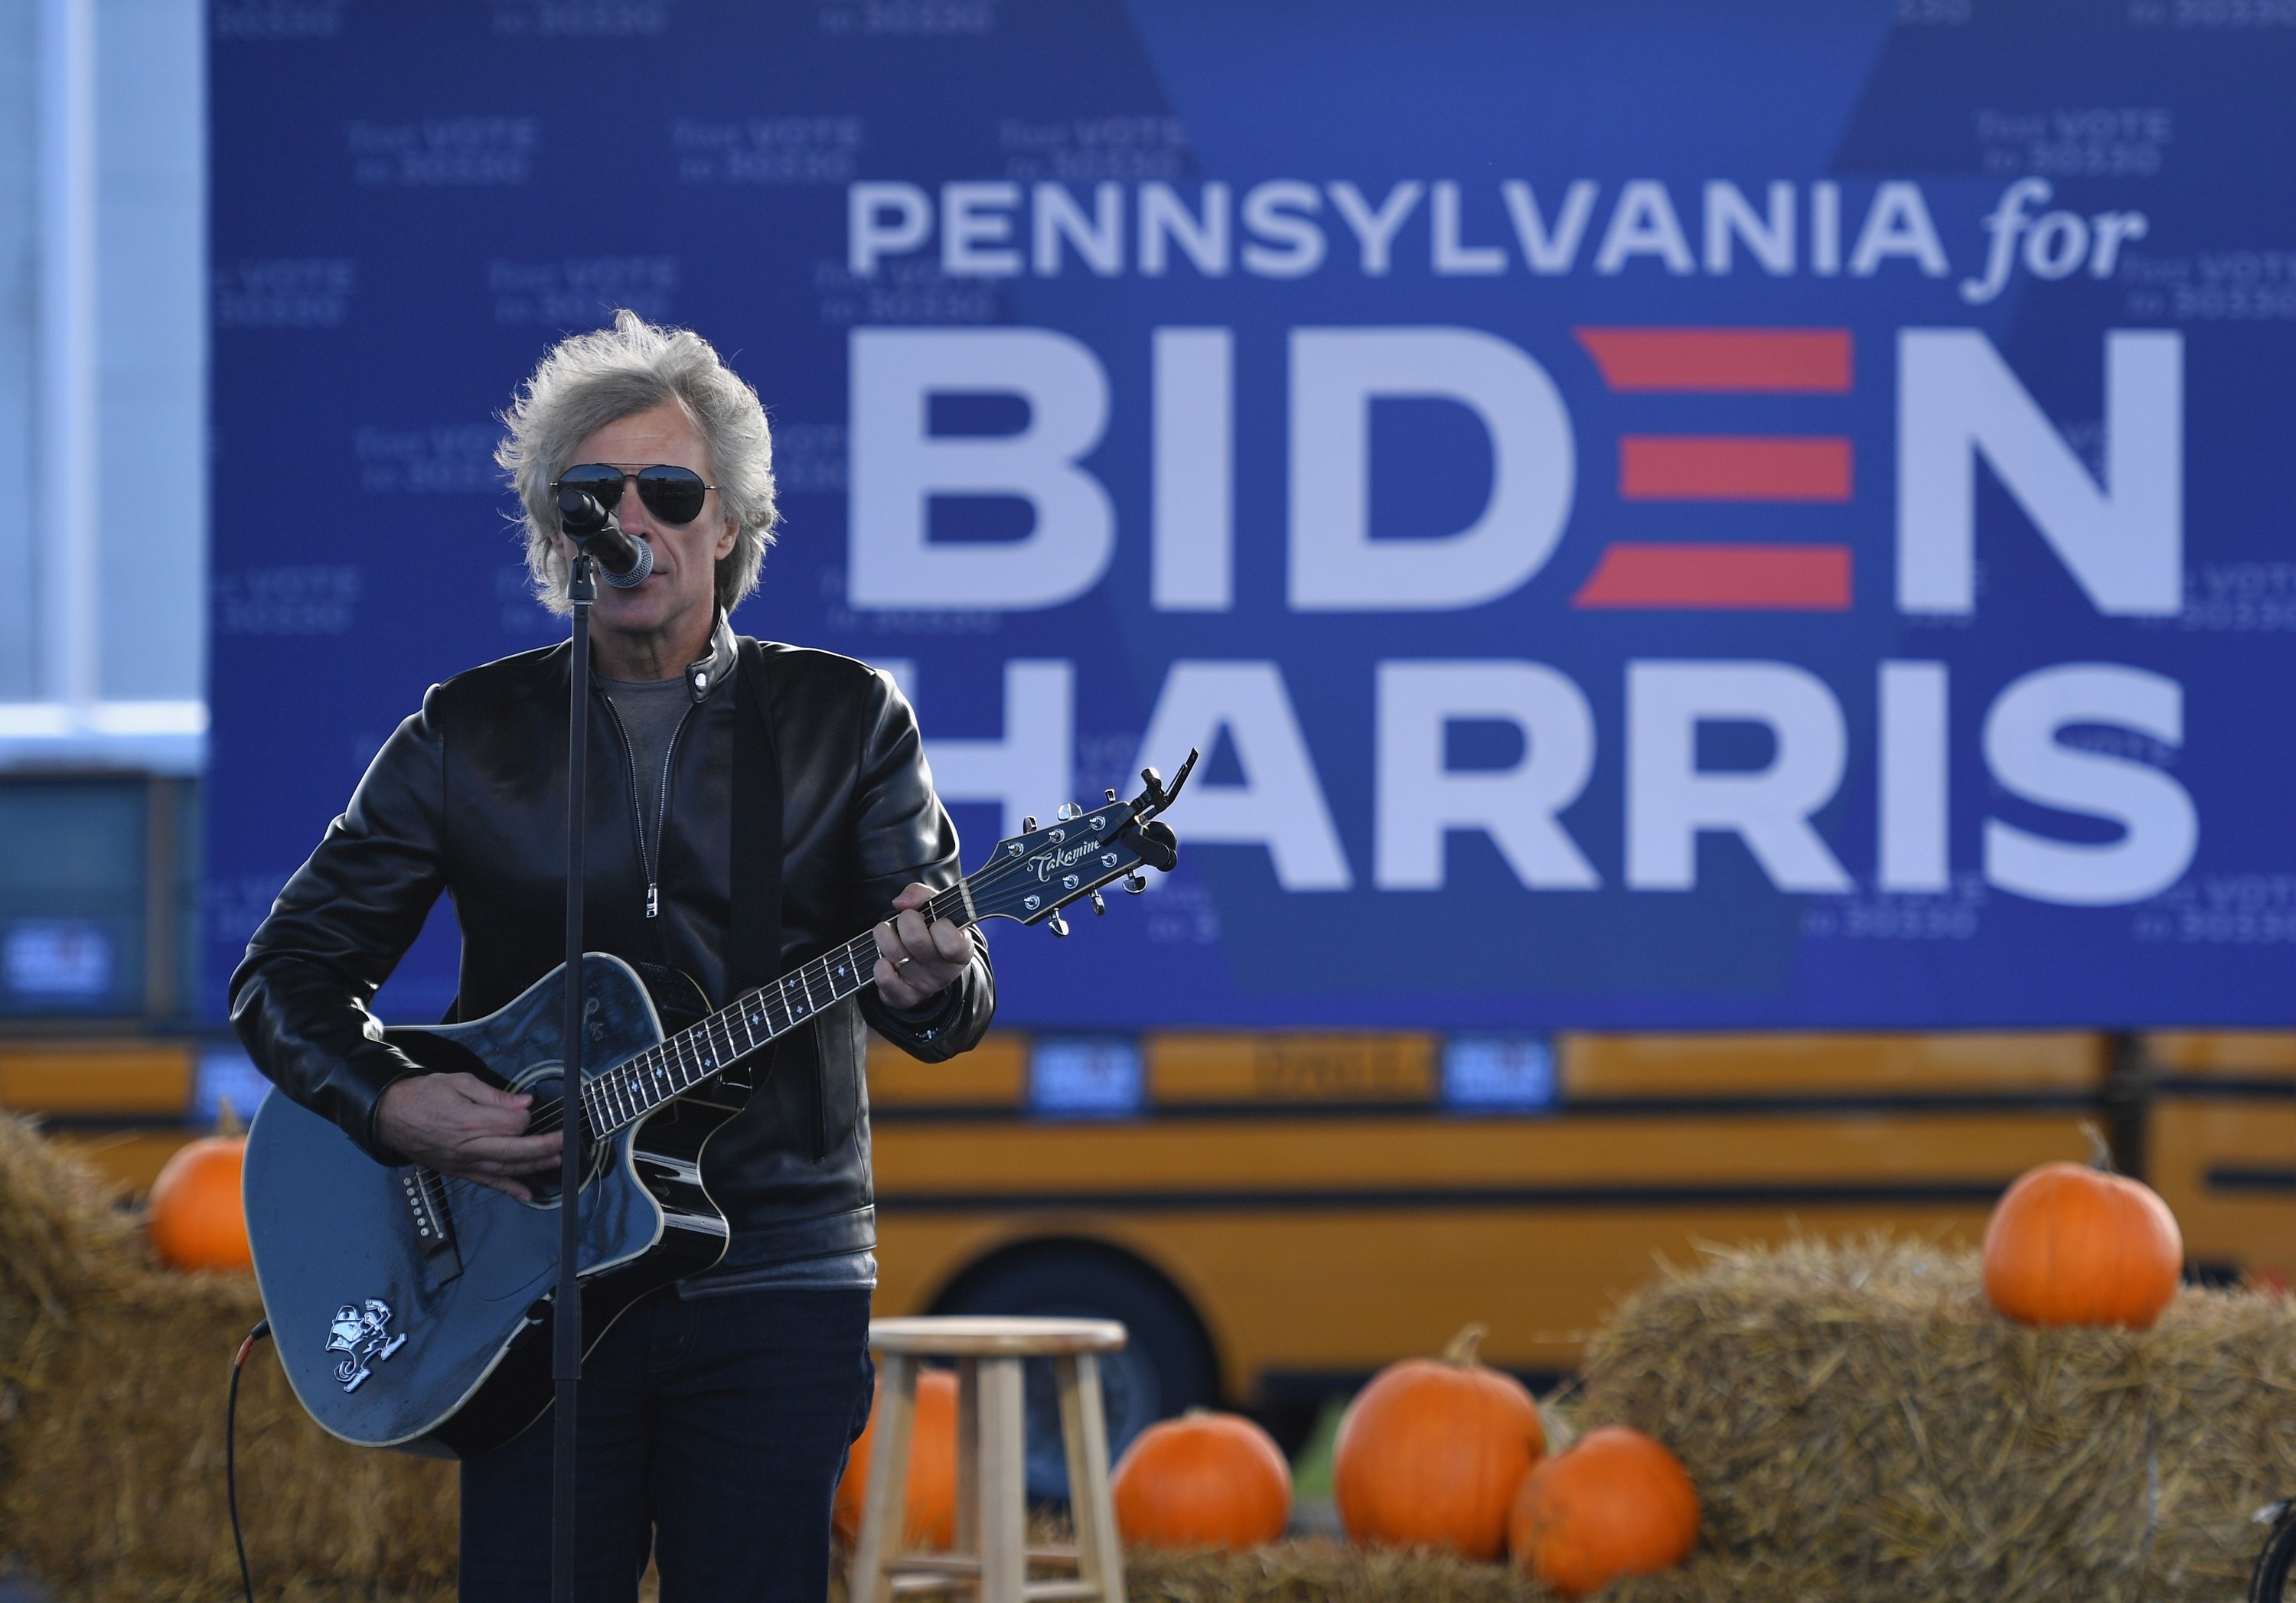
651 710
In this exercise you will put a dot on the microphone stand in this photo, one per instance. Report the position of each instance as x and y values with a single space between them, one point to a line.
566 1320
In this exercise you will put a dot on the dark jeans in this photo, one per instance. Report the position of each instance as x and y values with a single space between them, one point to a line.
713 1432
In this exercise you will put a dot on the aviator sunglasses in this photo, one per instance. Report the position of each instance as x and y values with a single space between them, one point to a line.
673 495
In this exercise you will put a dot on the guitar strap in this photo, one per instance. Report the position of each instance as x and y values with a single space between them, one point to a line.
755 958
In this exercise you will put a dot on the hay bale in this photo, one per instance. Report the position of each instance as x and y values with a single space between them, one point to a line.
1860 1424
1318 1570
111 1420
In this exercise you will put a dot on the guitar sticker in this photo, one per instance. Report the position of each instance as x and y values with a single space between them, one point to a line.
362 1335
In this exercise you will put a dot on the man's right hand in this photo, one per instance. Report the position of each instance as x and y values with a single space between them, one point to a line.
460 1125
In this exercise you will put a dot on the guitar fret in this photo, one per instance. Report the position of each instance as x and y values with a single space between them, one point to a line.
645 1082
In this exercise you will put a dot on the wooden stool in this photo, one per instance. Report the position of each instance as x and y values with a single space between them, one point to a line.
992 1505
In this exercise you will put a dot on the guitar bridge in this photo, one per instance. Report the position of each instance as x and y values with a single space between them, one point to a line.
424 1192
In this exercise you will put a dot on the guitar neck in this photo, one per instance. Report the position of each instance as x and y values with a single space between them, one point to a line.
636 1086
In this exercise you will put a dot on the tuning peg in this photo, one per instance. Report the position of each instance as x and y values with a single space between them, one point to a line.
1133 884
1028 824
1099 907
1059 925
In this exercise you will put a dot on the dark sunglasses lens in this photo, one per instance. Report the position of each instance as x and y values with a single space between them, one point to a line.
596 478
673 495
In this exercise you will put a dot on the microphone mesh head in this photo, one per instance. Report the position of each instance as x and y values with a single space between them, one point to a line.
639 569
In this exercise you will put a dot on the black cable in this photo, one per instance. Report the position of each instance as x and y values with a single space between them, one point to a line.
2270 1576
231 1451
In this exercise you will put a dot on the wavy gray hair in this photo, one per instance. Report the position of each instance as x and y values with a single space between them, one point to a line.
588 380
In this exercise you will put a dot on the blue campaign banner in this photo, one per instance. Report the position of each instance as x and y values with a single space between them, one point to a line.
1659 514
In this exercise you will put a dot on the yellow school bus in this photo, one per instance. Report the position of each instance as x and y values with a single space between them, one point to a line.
2219 1145
1275 1214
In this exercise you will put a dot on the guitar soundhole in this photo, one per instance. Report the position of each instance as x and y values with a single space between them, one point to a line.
546 1113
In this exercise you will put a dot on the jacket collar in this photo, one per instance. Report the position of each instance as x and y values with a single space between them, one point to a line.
705 674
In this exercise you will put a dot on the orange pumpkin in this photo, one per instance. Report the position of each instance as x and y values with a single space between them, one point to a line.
2075 1246
1616 1504
1431 1452
930 1515
1205 1480
198 1220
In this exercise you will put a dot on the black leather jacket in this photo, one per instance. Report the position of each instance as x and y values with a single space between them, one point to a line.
468 797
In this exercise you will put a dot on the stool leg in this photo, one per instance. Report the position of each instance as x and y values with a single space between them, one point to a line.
884 1508
1084 1431
1003 1482
968 1456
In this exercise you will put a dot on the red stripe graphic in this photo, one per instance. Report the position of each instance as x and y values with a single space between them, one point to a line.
1766 578
1794 361
1721 467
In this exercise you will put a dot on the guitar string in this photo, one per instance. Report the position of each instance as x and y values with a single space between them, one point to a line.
983 883
700 1042
596 1087
552 1117
945 905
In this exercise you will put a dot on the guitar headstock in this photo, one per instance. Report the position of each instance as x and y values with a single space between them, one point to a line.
1031 876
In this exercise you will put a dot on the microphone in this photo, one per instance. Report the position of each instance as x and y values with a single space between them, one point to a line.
624 558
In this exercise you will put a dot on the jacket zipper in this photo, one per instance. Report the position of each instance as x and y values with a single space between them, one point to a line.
662 805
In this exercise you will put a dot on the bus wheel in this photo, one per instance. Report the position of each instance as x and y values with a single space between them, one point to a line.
1165 1369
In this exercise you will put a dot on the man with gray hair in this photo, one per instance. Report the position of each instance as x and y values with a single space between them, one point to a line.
714 1421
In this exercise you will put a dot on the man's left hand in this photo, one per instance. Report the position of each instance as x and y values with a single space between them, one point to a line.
916 960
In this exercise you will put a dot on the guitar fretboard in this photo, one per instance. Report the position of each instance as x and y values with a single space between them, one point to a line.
637 1085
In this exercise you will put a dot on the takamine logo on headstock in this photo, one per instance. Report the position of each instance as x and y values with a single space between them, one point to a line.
1048 863
1036 873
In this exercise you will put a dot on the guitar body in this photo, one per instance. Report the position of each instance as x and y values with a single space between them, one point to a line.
414 1312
